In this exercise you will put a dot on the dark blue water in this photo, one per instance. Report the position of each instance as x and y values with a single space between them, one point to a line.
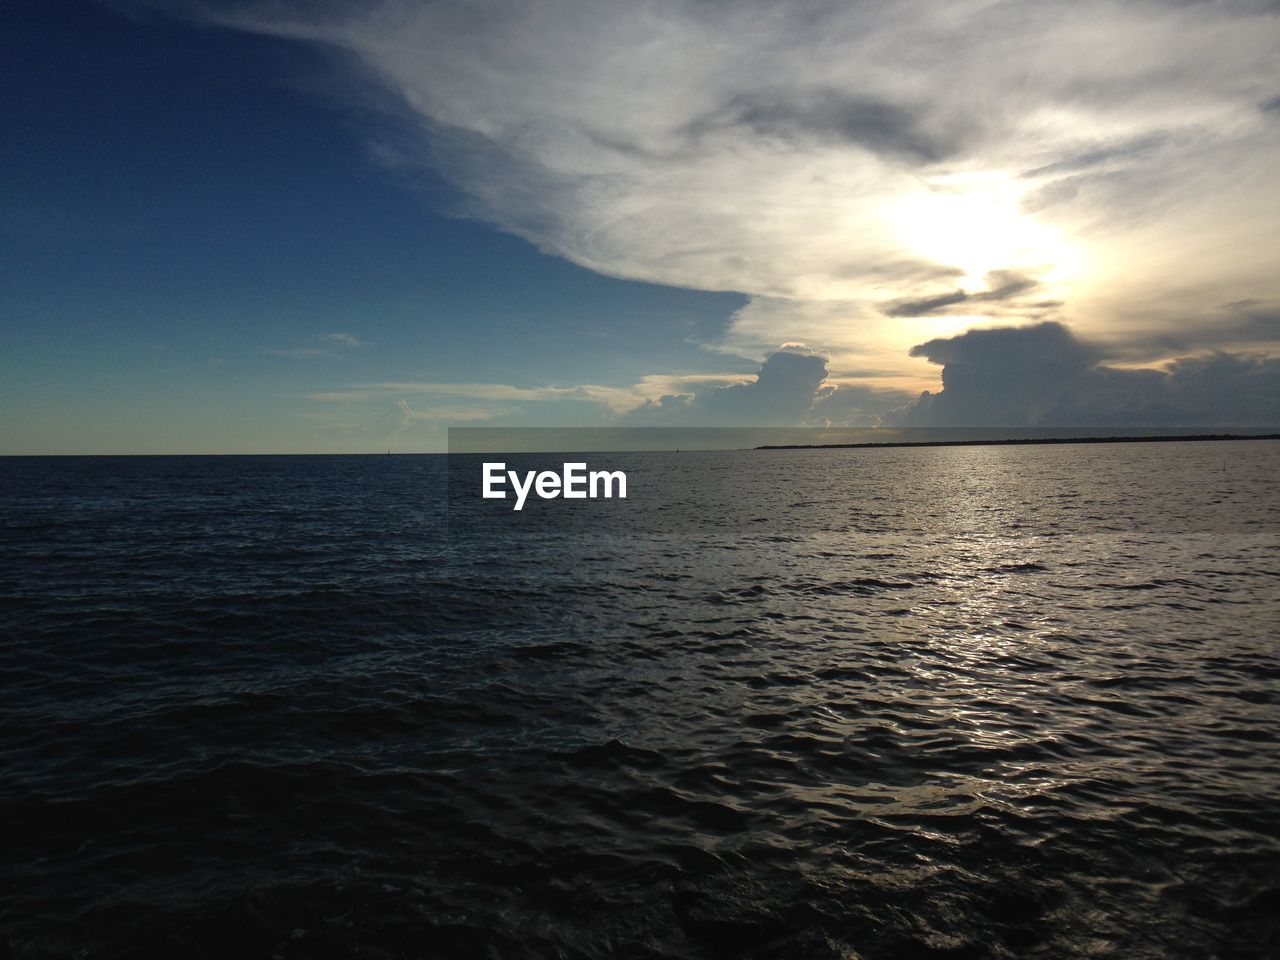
943 703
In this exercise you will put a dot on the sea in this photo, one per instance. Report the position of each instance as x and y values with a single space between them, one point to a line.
931 702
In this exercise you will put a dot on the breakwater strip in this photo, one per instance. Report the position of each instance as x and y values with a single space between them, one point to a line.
1014 441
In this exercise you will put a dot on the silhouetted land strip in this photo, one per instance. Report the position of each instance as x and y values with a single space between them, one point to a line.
1014 442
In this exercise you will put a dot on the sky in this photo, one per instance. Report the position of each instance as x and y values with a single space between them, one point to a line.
324 227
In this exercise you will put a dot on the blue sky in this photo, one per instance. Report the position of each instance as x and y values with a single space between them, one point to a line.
242 230
188 224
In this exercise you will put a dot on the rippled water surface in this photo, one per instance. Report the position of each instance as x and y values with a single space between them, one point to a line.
938 702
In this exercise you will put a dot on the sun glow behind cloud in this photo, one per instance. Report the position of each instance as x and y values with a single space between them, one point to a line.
871 176
827 151
977 224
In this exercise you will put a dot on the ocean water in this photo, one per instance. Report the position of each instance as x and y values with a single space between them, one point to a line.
899 703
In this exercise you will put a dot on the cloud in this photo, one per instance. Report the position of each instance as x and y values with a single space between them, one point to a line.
1003 285
304 353
1040 375
830 152
471 391
417 411
782 393
1247 322
344 340
337 341
829 116
791 388
400 417
1105 153
1044 375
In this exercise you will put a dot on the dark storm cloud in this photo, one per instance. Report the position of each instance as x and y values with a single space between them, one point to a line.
1044 376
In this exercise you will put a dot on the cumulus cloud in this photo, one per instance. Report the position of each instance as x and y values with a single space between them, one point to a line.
792 388
1036 376
782 393
1044 375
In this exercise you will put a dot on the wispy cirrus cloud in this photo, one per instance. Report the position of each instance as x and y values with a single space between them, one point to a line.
304 353
348 340
412 411
336 345
471 391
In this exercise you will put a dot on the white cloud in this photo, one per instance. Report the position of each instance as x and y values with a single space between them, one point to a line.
336 341
1039 375
473 391
348 340
303 353
787 389
603 98
828 158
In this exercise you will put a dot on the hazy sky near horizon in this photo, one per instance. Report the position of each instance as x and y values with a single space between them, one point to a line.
260 226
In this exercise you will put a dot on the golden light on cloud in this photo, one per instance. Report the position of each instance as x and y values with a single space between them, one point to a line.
931 327
976 223
869 177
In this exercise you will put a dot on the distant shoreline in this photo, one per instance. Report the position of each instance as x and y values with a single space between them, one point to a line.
1013 442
